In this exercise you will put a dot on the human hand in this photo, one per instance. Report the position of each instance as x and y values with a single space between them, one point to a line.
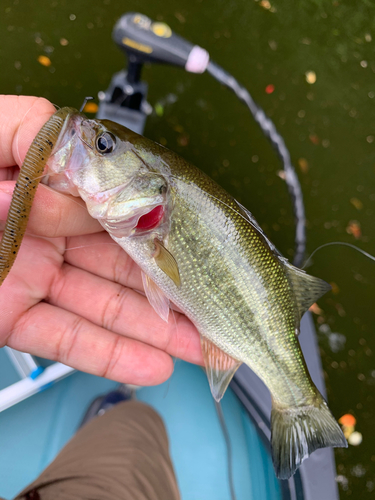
72 294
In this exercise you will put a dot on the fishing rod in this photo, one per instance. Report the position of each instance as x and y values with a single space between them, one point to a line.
145 41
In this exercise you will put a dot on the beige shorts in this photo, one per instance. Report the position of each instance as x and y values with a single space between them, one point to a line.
122 454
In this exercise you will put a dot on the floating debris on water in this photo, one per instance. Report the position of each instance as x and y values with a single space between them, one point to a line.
183 140
358 470
356 203
63 42
272 44
270 88
90 107
348 423
180 17
336 340
310 77
354 228
343 481
267 5
348 420
316 309
159 109
44 61
314 139
303 165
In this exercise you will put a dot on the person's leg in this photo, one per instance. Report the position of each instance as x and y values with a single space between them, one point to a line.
120 455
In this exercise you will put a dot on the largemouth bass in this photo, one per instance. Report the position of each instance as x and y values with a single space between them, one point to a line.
202 250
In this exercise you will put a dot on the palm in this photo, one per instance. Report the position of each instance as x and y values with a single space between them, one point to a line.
83 310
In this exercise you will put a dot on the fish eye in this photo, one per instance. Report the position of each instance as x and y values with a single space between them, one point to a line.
105 143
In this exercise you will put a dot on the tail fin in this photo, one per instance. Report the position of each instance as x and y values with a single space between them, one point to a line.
298 431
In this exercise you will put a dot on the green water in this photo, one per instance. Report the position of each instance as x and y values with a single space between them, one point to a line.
329 127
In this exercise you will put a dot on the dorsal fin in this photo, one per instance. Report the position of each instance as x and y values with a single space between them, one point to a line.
250 217
220 367
307 289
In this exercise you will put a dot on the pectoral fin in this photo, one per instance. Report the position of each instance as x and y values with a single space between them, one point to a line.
167 263
220 367
156 297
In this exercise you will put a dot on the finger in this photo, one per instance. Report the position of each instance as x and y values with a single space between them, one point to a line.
53 214
21 118
53 333
124 311
9 173
100 255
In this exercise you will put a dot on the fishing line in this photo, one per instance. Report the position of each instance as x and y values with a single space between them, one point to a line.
366 254
175 358
224 429
90 245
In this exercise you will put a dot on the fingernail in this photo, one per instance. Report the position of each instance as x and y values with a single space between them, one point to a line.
5 200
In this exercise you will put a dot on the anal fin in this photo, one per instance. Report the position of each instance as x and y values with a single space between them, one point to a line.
220 367
156 297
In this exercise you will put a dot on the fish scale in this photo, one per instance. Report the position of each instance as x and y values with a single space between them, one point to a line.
232 299
207 254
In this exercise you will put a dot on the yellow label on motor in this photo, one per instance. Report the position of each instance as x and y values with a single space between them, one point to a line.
161 29
135 45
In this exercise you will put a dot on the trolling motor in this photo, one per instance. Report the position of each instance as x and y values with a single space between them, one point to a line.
125 100
143 41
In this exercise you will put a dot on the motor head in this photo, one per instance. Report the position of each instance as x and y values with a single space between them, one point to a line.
144 40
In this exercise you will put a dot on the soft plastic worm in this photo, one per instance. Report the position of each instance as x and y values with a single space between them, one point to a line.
24 192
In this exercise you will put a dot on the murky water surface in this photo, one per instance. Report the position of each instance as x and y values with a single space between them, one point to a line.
311 65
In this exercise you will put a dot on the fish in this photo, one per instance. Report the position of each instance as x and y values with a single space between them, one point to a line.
201 250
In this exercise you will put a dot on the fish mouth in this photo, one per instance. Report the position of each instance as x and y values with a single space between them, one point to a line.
151 219
141 222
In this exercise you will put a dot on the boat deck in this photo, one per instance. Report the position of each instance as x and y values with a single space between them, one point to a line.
33 431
